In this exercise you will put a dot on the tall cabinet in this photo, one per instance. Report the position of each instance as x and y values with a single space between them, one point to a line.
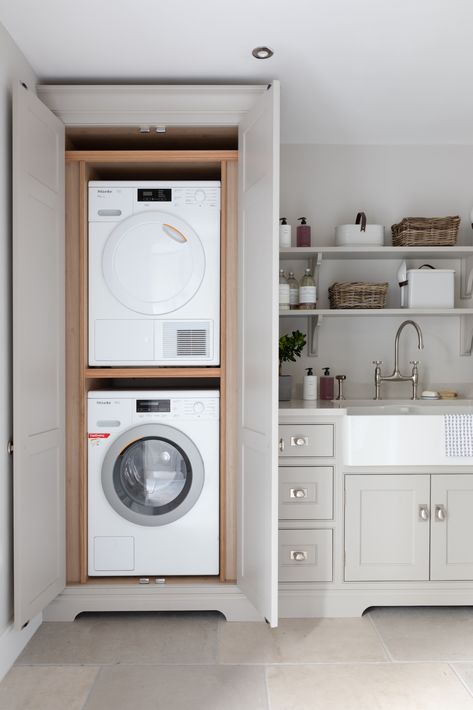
51 375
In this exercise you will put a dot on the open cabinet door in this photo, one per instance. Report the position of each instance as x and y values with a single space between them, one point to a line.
258 357
38 356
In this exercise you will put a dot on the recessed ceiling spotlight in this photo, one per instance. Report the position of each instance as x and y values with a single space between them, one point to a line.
262 52
160 129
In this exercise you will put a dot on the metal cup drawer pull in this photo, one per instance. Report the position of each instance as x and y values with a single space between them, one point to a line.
299 441
298 493
298 555
440 513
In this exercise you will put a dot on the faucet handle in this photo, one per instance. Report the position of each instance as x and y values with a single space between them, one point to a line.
377 362
414 362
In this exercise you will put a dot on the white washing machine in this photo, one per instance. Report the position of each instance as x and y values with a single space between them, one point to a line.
154 273
153 483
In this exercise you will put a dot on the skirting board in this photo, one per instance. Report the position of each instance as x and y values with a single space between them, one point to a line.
12 643
306 603
228 599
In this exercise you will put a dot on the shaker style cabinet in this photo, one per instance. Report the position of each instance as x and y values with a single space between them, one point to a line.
42 358
408 527
306 507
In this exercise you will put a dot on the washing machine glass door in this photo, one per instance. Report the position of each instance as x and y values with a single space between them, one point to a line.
153 262
152 475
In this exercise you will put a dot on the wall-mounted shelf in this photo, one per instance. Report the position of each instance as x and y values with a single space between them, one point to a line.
373 312
365 252
316 255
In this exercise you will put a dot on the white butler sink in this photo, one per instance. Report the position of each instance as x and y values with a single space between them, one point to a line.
400 434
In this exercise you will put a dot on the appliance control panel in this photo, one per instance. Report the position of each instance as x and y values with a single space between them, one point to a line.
114 201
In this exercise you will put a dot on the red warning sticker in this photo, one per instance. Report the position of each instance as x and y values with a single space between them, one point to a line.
100 435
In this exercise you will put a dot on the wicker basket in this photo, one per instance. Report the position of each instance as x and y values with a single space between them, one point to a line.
426 232
357 294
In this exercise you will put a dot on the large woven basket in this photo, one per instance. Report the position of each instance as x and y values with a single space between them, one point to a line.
357 294
426 232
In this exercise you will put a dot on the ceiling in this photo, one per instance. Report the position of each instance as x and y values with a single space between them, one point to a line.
356 72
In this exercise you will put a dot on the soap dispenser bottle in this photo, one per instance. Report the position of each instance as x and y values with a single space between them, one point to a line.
309 390
284 233
303 233
326 384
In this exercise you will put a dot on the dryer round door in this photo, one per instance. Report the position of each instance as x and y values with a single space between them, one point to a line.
152 474
153 262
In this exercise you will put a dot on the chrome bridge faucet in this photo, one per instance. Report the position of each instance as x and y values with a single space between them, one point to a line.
396 376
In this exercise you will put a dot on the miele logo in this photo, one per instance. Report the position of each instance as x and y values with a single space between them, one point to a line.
103 401
100 190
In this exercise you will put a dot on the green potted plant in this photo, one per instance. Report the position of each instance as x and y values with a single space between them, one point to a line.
290 348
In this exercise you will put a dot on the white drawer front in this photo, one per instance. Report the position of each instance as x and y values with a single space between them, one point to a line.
305 556
306 440
305 492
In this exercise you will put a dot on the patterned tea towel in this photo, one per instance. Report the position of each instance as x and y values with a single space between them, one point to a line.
458 434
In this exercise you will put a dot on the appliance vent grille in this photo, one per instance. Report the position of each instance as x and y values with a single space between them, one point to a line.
186 340
191 342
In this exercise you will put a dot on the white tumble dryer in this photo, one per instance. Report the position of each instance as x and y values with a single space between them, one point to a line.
154 273
153 483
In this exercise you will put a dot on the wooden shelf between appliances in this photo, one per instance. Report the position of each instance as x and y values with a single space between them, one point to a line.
114 373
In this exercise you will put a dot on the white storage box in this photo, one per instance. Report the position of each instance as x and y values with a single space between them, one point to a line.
360 233
428 288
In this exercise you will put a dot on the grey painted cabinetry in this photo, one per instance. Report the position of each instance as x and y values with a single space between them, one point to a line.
306 481
408 527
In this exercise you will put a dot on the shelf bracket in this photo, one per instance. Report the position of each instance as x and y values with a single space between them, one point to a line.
466 278
313 326
466 335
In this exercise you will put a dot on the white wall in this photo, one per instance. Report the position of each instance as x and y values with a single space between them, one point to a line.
330 184
13 67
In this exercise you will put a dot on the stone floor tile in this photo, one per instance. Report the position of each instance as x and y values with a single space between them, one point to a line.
132 637
375 686
300 641
46 688
179 688
426 633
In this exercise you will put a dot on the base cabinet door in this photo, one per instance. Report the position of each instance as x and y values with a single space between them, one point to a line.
387 527
452 527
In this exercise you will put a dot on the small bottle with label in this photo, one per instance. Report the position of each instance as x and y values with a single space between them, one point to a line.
303 233
293 291
283 291
307 291
309 390
284 233
326 384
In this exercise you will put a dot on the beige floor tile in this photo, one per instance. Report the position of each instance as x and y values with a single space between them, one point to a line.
46 688
179 688
384 686
126 638
299 641
465 671
426 633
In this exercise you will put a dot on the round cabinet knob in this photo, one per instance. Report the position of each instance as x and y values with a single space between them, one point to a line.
199 196
198 407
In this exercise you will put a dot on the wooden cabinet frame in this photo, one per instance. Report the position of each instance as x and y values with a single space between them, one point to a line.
82 166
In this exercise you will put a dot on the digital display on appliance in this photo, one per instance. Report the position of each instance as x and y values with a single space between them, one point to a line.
153 405
155 194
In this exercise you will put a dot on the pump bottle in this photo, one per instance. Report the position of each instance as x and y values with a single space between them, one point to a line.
326 384
309 390
303 233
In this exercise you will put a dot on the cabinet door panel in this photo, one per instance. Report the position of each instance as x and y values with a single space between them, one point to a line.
386 538
38 356
452 527
258 354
